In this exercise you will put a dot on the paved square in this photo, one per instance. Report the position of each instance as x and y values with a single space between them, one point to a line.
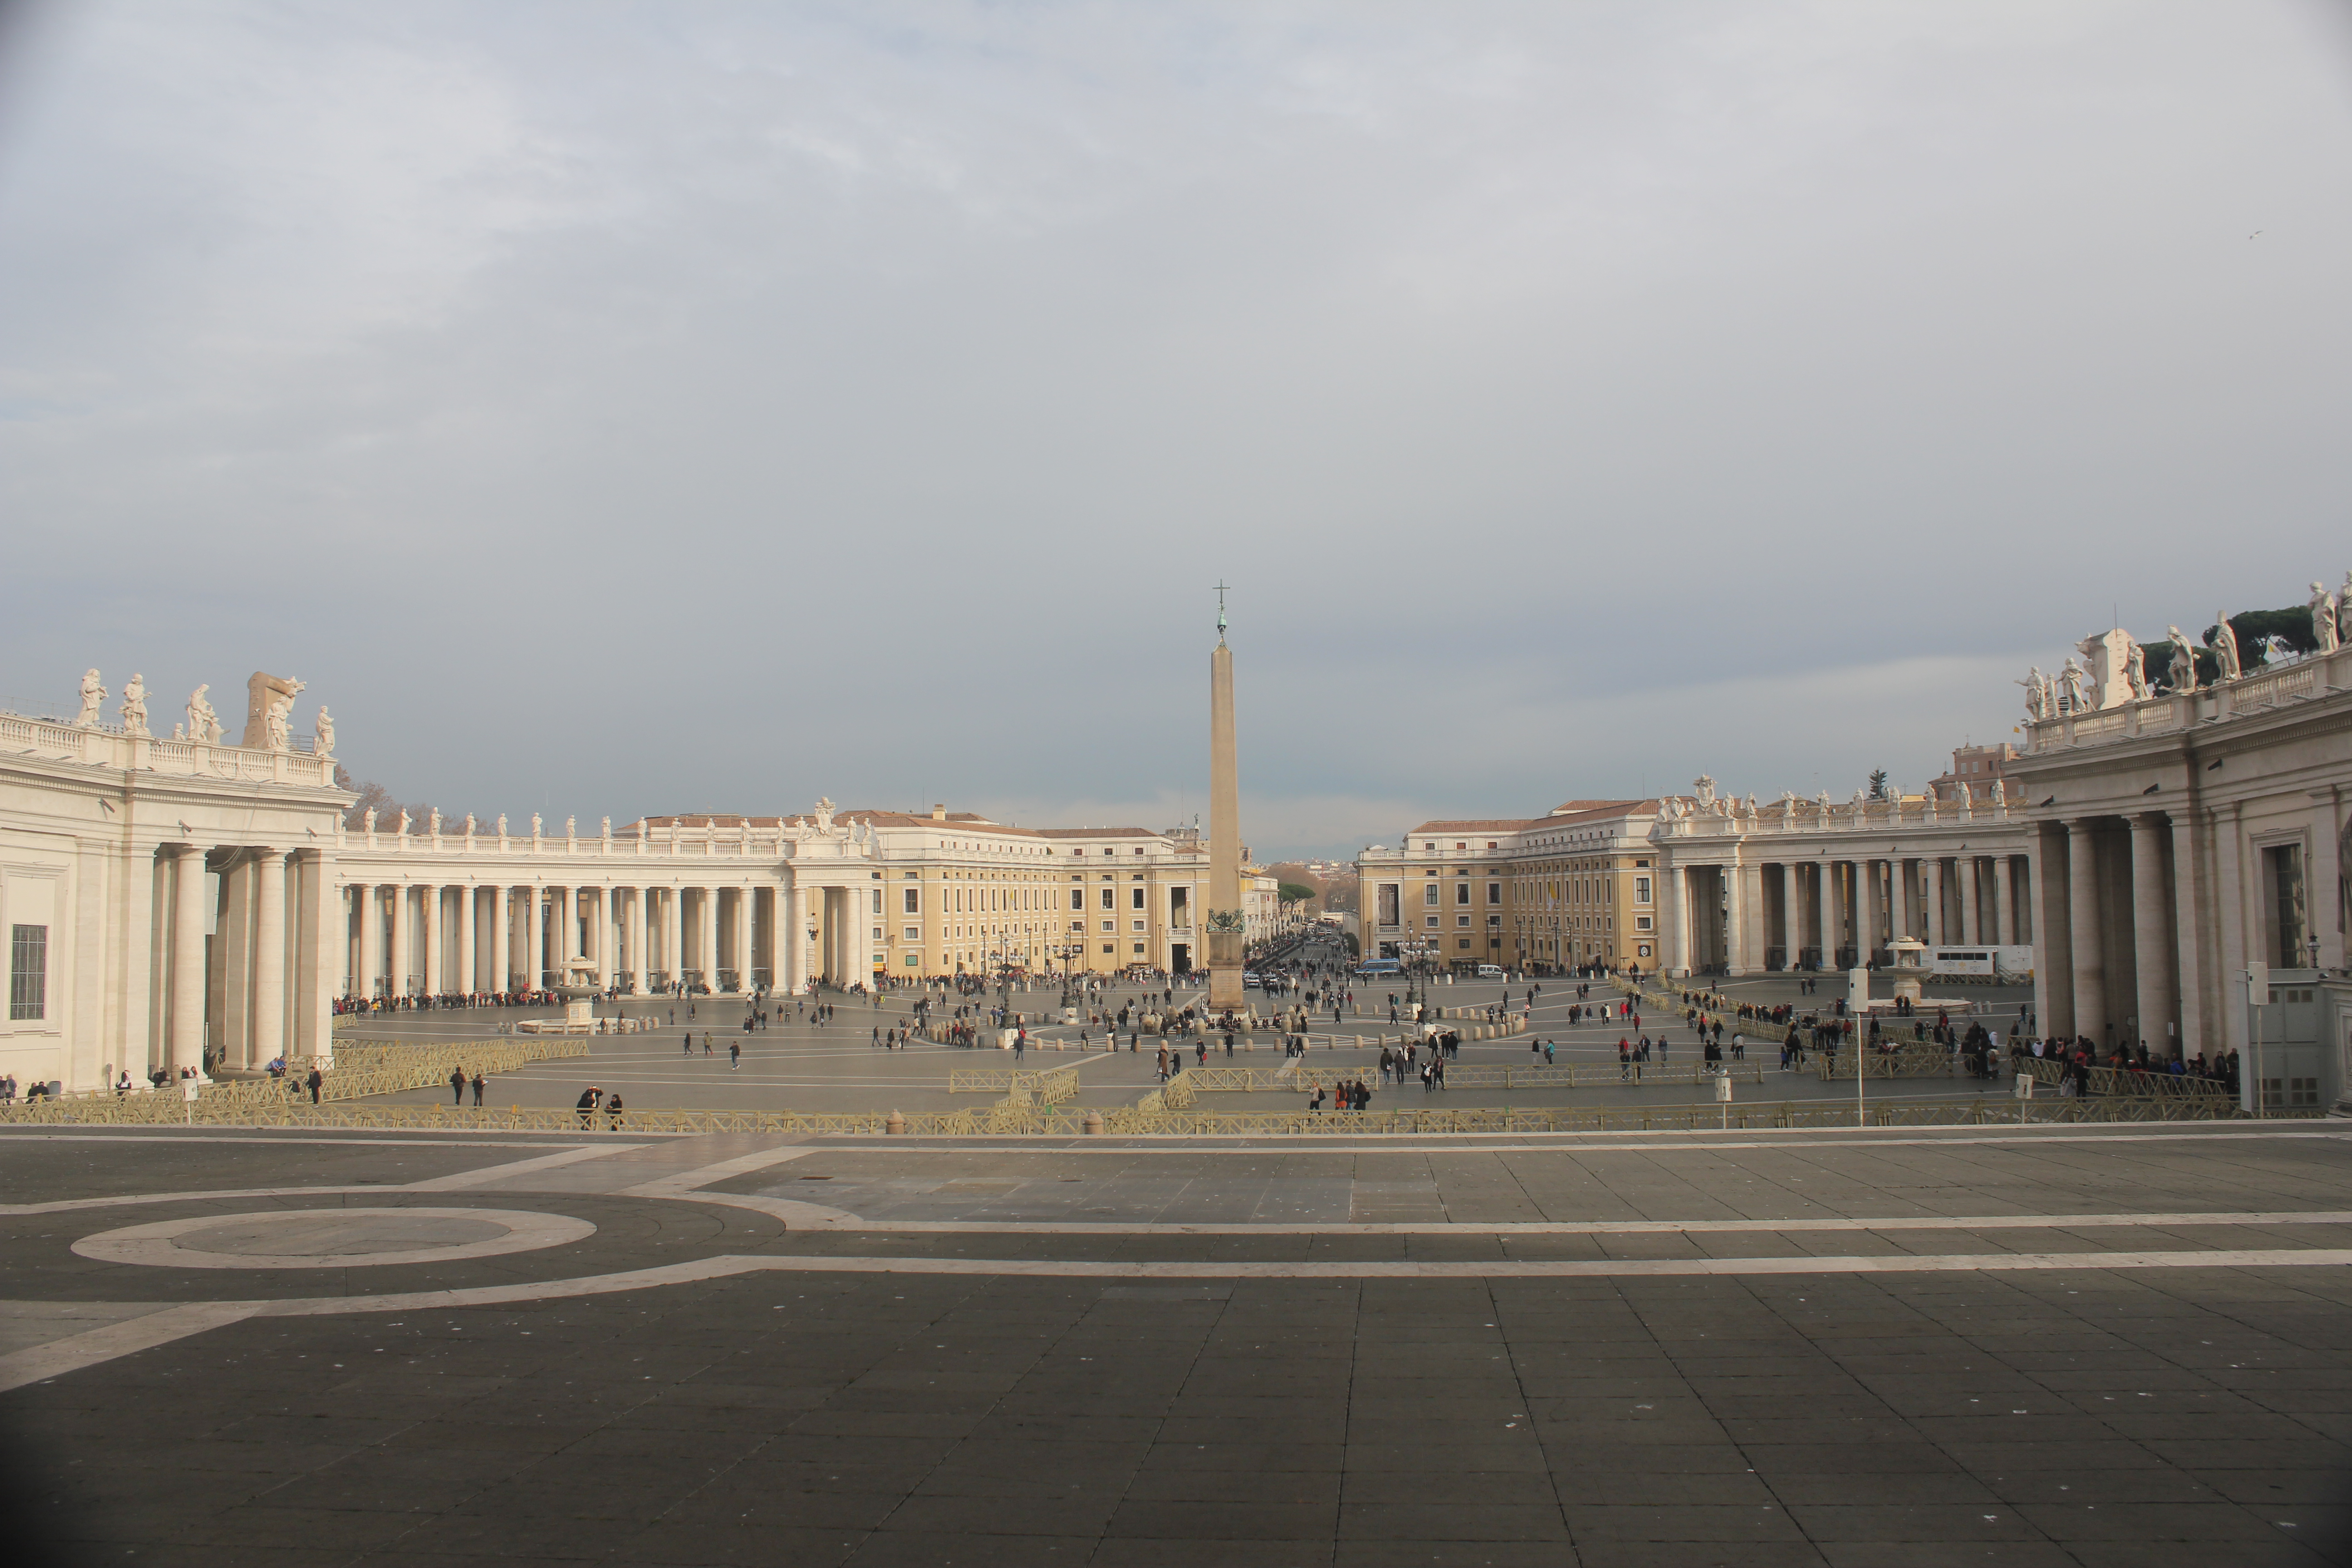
2038 1345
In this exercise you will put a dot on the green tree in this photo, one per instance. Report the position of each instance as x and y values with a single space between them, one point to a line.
1295 892
1878 783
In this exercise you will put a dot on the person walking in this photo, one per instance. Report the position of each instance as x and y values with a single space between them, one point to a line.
477 1089
313 1083
734 1055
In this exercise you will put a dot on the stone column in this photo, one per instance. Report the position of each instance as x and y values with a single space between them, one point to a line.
502 937
269 956
2090 975
320 952
792 958
534 912
1966 869
469 956
673 931
2190 894
2001 926
435 938
742 939
706 935
1833 875
1792 916
2154 950
637 940
370 899
2053 983
188 960
403 956
1935 903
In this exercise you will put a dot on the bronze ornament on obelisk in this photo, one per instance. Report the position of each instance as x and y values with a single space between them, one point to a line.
1227 928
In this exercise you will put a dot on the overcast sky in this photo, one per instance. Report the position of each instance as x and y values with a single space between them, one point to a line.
613 408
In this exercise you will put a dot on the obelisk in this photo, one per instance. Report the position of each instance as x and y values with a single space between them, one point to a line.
1227 932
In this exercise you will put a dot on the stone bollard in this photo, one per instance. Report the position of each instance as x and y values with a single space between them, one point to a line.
1093 1123
895 1123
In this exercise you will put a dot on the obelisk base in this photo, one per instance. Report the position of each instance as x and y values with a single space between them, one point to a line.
1227 991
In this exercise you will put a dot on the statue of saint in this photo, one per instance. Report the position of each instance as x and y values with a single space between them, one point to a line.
402 828
324 745
436 828
93 696
281 729
823 815
534 824
2182 674
2072 697
2000 791
2225 649
608 830
2036 701
469 825
2344 610
203 724
2135 673
570 827
134 706
367 819
2323 617
502 824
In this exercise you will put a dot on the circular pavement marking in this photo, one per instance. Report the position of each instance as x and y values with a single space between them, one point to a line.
332 1238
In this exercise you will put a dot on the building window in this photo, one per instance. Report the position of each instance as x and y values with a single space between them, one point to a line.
1428 894
1077 898
1461 892
1640 889
28 972
1494 892
913 898
1138 898
1109 926
911 933
1641 922
1463 945
1462 920
912 958
1138 946
1110 947
1138 925
1111 898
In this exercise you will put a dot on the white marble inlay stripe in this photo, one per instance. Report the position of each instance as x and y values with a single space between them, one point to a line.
787 1210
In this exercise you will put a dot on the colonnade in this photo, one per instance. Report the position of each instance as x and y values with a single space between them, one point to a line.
426 938
252 991
2112 897
1834 913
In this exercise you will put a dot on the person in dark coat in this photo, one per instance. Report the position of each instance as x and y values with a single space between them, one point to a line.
457 1085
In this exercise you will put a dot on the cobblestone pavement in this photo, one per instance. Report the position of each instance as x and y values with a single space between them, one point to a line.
801 1066
2055 1345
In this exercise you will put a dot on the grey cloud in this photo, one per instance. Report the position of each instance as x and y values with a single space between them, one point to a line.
709 406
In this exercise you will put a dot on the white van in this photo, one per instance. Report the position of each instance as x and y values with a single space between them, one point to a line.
1490 971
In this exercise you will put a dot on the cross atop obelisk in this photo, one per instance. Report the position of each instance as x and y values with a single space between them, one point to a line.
1227 936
